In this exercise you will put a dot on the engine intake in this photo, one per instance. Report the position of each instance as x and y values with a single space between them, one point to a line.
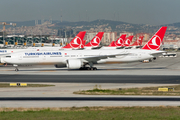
74 64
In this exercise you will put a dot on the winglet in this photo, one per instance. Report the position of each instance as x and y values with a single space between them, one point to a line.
96 40
77 41
155 42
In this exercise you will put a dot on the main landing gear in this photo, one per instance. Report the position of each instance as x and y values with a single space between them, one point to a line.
90 64
87 68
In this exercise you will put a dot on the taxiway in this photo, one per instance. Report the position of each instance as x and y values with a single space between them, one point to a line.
163 71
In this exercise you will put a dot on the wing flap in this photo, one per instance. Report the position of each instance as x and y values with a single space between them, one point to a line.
94 59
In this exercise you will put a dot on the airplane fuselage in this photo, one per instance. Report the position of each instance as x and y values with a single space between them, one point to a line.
61 56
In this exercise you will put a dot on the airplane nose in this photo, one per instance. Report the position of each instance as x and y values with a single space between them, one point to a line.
2 60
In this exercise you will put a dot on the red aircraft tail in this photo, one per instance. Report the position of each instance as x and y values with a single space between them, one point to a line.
128 41
77 42
96 40
119 42
138 42
155 42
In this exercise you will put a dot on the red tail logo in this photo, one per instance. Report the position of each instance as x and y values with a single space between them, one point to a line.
128 41
119 42
95 41
155 42
76 43
138 42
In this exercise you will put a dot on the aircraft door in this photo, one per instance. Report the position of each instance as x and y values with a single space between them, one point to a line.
20 57
44 57
79 55
139 55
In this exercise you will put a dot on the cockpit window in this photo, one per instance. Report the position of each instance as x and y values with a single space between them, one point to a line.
8 56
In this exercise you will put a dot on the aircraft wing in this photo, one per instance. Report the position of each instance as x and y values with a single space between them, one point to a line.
94 59
96 47
1 55
158 53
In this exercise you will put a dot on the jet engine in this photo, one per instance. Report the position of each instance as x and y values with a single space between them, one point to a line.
60 65
74 64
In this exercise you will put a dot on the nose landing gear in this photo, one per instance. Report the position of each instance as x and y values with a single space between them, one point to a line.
16 68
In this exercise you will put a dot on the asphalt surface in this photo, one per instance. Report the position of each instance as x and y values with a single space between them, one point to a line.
92 78
89 99
161 72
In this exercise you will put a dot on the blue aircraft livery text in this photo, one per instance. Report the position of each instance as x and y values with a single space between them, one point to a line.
3 51
44 53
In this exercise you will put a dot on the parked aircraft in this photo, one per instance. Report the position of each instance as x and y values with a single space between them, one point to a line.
119 42
80 59
95 41
128 41
138 42
76 42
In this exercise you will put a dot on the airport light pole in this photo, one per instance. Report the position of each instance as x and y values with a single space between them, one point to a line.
14 25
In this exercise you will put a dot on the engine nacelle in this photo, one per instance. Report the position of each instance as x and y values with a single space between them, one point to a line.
60 65
154 58
74 64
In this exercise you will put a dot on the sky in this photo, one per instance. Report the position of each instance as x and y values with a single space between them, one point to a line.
152 12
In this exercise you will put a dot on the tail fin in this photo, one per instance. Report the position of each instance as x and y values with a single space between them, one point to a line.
138 42
119 42
96 40
128 41
83 44
77 42
112 44
155 42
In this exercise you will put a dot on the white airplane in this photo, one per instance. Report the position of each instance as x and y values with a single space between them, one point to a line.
77 42
94 43
80 59
116 44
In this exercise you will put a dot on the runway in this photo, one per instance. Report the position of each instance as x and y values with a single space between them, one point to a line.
89 99
92 78
162 72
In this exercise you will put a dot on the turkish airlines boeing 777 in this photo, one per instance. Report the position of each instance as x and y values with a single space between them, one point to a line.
80 59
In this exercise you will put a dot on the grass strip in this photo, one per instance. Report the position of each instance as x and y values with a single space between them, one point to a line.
94 113
132 91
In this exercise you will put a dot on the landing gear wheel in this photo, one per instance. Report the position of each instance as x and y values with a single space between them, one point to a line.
16 69
94 68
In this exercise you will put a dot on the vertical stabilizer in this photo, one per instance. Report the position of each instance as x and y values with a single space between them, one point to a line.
119 42
77 42
155 42
96 40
